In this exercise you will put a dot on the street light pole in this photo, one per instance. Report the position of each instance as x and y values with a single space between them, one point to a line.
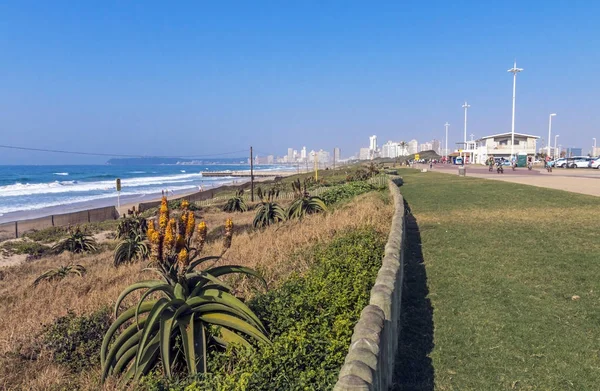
556 137
514 70
550 131
446 125
594 149
465 106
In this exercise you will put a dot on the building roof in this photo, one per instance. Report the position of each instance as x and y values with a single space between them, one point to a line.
508 134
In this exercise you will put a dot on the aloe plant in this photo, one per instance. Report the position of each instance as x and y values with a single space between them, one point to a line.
191 302
132 226
78 241
268 213
304 206
131 248
60 273
236 203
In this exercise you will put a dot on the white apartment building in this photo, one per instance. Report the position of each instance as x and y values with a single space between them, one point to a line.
373 143
303 154
364 154
425 147
413 147
391 149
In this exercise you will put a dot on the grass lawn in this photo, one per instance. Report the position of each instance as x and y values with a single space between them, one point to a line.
512 273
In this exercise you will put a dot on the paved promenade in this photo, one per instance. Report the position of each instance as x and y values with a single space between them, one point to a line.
576 180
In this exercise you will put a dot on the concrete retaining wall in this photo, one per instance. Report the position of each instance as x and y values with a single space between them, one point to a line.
369 364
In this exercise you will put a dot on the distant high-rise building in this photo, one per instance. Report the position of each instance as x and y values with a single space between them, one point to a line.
270 159
365 154
311 156
323 157
290 155
436 146
425 147
373 143
413 147
391 150
336 154
295 154
303 154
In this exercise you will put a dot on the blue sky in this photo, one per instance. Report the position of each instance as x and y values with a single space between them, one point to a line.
194 78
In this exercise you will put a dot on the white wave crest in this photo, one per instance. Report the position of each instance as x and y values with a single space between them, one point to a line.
61 173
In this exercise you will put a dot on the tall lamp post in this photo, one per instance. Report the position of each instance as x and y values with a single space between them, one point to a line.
550 131
446 125
594 149
465 106
514 70
556 137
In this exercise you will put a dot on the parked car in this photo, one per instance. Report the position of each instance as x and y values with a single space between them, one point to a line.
580 162
562 162
594 162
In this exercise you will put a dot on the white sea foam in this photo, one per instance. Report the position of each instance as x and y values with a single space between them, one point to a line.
136 172
61 173
21 189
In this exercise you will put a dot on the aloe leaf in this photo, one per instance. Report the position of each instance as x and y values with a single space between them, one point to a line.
134 287
152 318
236 324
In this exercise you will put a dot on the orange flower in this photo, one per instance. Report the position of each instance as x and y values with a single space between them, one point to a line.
191 224
182 260
169 240
185 204
201 232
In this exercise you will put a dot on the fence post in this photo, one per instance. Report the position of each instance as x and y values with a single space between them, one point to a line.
88 216
16 229
52 220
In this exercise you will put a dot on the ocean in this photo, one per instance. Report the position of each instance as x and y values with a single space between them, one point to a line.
37 189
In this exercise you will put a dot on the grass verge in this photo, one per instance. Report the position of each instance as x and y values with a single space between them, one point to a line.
512 273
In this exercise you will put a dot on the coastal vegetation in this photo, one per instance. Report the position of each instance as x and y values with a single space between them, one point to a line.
59 273
236 203
77 241
310 268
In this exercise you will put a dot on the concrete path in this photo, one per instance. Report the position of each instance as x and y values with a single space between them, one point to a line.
578 180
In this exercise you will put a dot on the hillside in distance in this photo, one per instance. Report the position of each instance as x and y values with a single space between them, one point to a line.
140 161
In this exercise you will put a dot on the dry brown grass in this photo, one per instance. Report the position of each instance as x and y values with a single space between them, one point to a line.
25 309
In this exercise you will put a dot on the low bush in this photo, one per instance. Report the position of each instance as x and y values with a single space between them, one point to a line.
47 235
310 319
183 204
26 247
345 191
75 341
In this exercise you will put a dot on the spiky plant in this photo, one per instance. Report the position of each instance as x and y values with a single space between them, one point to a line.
236 203
131 248
267 213
304 206
191 301
131 226
78 241
59 273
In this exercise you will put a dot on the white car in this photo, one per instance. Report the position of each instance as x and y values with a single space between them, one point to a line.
581 162
562 162
594 162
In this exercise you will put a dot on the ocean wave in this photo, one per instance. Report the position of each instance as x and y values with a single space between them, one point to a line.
66 200
136 172
22 189
61 173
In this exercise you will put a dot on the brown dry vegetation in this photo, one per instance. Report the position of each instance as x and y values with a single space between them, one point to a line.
275 251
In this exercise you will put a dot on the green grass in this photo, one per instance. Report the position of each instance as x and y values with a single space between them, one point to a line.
503 262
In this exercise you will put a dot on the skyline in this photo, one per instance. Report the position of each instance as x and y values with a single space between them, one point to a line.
197 80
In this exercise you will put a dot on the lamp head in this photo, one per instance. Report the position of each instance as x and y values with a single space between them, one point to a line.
553 115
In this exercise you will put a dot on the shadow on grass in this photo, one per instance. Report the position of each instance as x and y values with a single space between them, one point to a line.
414 370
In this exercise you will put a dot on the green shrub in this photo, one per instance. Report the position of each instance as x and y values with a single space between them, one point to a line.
25 247
75 341
47 235
183 204
310 319
345 191
78 241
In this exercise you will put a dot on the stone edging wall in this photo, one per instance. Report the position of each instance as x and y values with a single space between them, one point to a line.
369 364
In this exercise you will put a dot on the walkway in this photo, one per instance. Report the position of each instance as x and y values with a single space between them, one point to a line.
578 180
